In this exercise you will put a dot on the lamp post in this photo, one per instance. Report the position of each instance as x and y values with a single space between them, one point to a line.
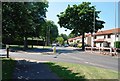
115 27
93 28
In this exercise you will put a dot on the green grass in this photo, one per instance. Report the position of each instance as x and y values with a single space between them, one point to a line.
77 71
7 68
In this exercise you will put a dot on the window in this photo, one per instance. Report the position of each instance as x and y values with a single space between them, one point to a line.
104 36
117 35
109 36
94 37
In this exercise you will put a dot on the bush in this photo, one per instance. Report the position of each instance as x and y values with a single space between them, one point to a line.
79 45
117 44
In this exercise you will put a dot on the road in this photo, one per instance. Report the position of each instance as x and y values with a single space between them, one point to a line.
67 54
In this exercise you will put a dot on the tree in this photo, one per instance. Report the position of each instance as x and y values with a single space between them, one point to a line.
65 37
60 40
22 19
71 35
80 19
49 32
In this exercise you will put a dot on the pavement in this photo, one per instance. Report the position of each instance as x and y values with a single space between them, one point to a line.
27 70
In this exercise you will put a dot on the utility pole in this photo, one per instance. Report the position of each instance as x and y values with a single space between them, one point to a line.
115 27
93 28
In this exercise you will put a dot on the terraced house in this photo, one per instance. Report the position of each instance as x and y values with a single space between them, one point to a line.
105 38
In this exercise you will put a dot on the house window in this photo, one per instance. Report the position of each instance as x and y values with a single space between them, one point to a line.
100 44
94 37
109 36
117 35
104 36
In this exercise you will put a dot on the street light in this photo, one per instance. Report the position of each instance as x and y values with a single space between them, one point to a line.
115 27
93 28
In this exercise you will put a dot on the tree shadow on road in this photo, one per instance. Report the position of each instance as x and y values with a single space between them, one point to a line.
30 50
69 50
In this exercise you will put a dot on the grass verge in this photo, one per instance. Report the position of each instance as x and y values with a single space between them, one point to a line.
7 68
77 71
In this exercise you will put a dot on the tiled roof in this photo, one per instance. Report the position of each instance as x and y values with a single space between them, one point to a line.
111 31
99 40
105 32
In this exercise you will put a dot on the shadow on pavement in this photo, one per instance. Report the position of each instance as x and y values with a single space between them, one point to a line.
45 50
41 50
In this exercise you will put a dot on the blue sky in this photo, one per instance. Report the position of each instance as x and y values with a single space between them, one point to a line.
107 13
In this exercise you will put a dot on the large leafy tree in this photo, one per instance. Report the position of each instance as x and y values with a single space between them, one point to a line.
65 37
49 32
80 19
71 35
22 19
60 40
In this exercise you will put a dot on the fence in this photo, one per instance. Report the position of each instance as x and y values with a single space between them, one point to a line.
104 50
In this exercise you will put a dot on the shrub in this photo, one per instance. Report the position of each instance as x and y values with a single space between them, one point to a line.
79 45
117 44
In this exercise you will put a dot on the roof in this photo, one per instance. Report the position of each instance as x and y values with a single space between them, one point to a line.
106 32
75 38
99 40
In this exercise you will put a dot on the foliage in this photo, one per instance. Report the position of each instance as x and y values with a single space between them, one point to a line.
49 31
80 19
117 44
8 66
22 19
65 37
79 45
71 35
60 40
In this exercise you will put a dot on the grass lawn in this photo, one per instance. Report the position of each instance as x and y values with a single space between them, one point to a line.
77 71
7 68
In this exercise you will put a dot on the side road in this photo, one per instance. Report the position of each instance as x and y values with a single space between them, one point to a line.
28 70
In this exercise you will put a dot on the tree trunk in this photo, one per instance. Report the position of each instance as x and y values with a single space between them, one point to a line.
83 45
25 43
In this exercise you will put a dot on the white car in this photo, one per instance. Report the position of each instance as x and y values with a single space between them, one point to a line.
54 44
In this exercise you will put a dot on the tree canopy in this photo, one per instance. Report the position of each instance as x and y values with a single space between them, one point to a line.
65 37
60 40
49 32
22 19
81 19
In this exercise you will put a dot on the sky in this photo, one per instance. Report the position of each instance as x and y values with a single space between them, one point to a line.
107 13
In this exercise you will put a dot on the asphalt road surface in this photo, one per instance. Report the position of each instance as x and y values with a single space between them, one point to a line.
67 54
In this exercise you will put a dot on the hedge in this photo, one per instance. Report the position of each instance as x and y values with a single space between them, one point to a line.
117 44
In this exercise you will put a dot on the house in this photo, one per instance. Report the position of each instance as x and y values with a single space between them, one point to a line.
78 40
106 38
